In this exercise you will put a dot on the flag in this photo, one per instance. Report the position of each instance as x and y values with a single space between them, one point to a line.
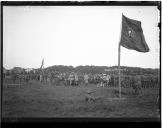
42 63
132 35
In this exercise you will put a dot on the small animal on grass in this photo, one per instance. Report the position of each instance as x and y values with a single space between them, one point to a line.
90 98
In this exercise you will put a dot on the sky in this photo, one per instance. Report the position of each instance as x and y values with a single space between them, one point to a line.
76 35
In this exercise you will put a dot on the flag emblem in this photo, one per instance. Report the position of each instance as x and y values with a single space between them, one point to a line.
131 33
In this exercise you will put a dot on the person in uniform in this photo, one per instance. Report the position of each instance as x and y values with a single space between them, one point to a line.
40 78
107 80
137 85
48 78
86 79
71 78
76 79
102 80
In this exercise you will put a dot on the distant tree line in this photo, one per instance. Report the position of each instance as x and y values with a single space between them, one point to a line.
101 69
98 69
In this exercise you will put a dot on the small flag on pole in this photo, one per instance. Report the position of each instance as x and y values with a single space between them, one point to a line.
132 35
42 63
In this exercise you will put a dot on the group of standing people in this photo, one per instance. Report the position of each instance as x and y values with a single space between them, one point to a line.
55 78
69 79
75 79
105 79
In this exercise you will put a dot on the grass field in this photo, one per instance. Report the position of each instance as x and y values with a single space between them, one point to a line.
41 100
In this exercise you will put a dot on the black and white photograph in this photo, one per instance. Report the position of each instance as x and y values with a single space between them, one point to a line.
81 61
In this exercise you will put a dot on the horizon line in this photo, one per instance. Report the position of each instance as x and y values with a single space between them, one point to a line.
86 65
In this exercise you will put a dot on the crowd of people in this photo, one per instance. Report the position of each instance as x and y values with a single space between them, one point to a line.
76 78
57 78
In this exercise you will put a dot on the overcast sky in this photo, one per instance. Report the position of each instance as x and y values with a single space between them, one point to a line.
75 35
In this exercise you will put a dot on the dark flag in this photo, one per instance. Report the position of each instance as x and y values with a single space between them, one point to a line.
132 35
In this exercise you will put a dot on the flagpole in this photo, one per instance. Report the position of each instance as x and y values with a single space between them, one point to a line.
119 70
119 81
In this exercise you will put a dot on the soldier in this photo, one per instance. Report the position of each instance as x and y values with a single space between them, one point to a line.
40 78
108 77
86 77
65 79
48 78
103 79
137 85
76 79
71 78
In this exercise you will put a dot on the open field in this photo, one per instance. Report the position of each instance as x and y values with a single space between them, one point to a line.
41 100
